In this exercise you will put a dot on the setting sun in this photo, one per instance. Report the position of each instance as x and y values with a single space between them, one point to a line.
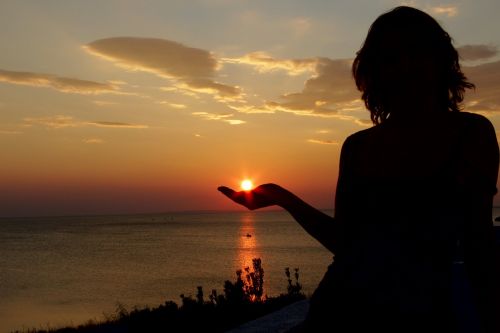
246 185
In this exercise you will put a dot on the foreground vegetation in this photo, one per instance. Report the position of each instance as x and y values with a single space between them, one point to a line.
241 301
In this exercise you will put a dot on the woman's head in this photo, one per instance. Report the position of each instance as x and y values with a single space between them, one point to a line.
408 62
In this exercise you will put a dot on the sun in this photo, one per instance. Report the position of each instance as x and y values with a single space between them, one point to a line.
246 185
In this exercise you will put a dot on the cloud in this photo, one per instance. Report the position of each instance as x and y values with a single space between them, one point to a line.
363 122
93 141
61 121
477 52
448 11
323 142
63 84
225 117
113 124
104 103
300 26
327 93
54 122
9 132
194 67
331 91
263 62
248 108
173 105
206 86
118 82
486 97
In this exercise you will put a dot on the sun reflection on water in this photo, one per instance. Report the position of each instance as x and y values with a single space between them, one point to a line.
247 243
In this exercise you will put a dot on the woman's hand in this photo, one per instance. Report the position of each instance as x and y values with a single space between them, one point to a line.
262 196
316 223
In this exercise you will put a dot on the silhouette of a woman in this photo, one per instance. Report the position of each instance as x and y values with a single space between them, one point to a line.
414 194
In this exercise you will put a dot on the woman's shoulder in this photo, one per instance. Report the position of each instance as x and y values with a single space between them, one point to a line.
470 116
473 120
362 134
462 124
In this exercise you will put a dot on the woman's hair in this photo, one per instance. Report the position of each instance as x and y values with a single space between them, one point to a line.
406 56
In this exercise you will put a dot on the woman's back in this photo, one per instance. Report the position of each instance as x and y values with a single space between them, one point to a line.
403 202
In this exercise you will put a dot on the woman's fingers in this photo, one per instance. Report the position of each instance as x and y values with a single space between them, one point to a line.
255 199
237 197
243 198
226 191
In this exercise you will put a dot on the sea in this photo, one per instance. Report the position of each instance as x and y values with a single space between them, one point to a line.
58 271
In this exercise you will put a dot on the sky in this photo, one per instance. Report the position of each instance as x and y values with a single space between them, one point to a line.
115 107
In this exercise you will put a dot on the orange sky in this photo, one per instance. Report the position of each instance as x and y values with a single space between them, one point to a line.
132 107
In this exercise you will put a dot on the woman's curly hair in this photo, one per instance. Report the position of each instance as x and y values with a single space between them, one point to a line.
395 58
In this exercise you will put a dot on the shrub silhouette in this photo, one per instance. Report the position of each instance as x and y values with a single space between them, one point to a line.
243 300
293 288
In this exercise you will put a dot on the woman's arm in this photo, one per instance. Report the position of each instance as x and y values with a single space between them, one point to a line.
318 224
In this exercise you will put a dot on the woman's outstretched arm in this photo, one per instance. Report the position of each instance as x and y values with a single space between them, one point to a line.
324 228
318 224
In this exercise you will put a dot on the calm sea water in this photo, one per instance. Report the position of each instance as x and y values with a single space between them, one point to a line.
66 270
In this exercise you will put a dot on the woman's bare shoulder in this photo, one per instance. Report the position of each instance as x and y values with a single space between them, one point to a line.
474 120
363 134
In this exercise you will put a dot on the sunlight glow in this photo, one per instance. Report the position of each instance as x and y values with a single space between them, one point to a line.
246 185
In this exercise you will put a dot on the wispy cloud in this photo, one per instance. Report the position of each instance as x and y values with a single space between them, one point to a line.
63 84
104 103
486 96
61 121
248 108
58 121
363 122
173 105
93 141
114 124
194 68
446 10
225 117
300 26
477 52
263 62
9 132
323 142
